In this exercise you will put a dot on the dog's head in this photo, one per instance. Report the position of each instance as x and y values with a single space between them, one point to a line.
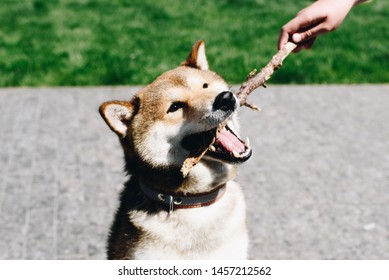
175 115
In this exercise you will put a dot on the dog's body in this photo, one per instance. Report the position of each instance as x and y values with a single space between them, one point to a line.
164 214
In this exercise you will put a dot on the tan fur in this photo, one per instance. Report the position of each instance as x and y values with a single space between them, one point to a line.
151 133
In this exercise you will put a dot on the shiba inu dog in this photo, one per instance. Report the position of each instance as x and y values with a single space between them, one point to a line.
164 214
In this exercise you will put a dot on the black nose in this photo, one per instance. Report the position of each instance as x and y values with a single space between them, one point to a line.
225 101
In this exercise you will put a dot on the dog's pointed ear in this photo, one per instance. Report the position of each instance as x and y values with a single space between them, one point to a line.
118 115
197 58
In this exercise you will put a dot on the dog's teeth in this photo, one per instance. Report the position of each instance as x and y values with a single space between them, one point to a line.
247 143
236 154
246 153
212 148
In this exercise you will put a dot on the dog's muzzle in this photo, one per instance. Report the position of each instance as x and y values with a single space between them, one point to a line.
227 146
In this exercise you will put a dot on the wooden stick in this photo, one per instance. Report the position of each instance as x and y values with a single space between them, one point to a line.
252 82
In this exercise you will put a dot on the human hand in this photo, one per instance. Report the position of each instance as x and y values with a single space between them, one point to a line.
321 17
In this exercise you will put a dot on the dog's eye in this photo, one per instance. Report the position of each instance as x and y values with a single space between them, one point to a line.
205 85
175 106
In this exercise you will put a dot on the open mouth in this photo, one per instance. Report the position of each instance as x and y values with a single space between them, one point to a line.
226 146
229 147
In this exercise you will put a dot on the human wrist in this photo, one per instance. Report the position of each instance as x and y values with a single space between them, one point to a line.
343 4
356 2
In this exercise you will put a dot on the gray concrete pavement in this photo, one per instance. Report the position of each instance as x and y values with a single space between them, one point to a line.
317 186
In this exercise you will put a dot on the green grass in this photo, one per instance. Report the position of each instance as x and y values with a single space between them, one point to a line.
118 42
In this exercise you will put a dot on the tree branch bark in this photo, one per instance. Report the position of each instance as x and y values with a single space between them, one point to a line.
254 80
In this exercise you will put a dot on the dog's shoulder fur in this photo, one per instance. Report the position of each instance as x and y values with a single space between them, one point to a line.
154 129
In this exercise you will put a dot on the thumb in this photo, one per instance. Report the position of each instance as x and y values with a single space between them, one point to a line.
308 34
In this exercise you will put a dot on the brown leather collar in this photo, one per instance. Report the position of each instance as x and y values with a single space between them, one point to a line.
173 201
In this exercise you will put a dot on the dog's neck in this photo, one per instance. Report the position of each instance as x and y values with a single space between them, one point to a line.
172 201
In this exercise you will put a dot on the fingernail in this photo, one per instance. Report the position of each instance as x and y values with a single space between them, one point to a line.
296 37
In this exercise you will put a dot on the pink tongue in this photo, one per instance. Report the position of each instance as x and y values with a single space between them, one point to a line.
229 141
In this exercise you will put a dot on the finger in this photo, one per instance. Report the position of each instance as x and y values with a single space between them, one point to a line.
300 23
296 37
305 45
283 39
287 30
309 43
309 33
297 24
